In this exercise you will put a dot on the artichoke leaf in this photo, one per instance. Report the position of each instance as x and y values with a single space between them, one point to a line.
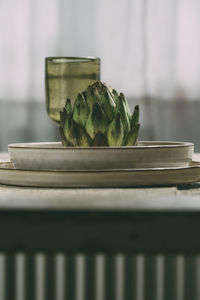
81 110
102 87
100 140
68 107
115 95
78 137
92 96
126 105
66 128
131 139
121 107
84 94
115 131
97 121
63 117
63 138
135 116
66 113
108 105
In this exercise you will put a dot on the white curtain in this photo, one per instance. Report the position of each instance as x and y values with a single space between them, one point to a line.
147 47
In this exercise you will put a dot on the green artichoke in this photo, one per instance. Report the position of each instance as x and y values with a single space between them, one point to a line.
100 117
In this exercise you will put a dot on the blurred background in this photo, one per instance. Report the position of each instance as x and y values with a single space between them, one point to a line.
150 50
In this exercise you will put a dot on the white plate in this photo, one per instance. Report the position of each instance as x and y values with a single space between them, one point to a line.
52 156
99 178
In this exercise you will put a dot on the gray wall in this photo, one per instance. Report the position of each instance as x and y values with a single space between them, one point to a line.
25 122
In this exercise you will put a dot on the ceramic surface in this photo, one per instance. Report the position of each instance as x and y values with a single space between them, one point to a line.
51 156
99 178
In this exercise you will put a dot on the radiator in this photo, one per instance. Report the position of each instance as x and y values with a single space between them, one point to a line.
99 277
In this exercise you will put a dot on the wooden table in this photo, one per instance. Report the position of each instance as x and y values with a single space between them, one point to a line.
147 221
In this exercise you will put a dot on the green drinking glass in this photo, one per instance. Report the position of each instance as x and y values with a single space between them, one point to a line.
65 77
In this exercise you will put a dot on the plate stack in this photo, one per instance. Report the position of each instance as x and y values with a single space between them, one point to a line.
147 164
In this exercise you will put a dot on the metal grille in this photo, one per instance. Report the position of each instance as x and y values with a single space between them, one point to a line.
99 277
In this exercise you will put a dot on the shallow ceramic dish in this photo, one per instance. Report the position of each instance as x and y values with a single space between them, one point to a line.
99 178
53 156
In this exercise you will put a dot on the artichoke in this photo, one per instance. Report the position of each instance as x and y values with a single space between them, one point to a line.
100 117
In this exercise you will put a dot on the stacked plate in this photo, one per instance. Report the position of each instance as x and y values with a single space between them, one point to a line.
147 164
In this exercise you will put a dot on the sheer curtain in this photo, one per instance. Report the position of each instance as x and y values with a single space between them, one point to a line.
149 50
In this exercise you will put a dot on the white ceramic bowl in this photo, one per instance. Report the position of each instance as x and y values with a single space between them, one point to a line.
147 154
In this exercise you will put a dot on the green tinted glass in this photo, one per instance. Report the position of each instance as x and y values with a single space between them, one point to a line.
65 77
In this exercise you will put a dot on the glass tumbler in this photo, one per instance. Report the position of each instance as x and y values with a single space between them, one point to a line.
65 77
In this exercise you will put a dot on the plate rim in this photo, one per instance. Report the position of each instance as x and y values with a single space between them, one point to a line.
153 145
193 164
127 178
